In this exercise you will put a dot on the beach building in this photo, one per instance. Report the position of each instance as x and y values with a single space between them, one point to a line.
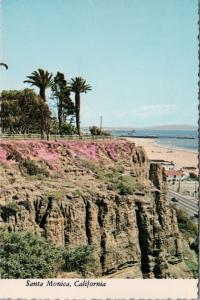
175 175
189 170
168 165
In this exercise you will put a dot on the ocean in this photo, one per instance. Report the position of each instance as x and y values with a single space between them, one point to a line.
180 139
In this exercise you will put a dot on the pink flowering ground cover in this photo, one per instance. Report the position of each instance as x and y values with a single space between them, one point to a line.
44 151
111 151
82 149
15 151
50 152
90 150
3 155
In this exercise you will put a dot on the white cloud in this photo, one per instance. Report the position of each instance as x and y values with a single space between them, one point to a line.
147 111
155 110
89 115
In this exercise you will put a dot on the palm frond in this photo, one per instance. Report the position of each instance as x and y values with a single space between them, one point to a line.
78 85
4 65
40 78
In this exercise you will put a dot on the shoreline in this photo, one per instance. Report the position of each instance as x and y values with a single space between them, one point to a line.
171 147
180 157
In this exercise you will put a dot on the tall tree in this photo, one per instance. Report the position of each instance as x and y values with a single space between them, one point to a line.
42 79
65 106
78 85
21 112
4 65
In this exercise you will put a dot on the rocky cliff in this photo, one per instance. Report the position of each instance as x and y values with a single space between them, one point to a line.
105 194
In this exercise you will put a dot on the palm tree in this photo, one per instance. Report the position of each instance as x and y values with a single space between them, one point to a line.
4 65
42 79
78 85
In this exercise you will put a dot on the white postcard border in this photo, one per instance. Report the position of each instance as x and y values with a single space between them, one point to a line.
115 289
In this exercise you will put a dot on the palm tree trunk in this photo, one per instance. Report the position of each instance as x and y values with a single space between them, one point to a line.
59 119
77 106
42 94
60 115
42 126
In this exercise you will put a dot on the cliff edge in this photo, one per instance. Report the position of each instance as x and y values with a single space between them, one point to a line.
104 193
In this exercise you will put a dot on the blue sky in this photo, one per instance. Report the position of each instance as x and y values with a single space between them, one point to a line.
140 56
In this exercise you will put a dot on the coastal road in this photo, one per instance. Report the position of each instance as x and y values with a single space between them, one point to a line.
186 203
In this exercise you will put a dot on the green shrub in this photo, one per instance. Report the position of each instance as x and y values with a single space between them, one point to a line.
193 176
32 169
94 130
8 210
67 129
125 188
23 255
193 267
57 195
77 193
186 225
118 169
80 260
195 245
40 177
26 204
126 185
88 164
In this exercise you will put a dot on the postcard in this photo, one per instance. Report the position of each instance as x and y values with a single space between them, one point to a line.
99 178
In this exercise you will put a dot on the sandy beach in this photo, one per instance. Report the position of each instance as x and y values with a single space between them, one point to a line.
181 158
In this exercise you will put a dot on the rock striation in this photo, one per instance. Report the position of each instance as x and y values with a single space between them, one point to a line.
104 193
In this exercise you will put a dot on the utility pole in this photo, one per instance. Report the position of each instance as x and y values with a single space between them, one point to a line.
195 191
179 185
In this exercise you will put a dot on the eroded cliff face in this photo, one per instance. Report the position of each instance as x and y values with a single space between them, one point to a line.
105 194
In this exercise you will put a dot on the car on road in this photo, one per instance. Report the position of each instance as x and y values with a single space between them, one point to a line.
173 199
